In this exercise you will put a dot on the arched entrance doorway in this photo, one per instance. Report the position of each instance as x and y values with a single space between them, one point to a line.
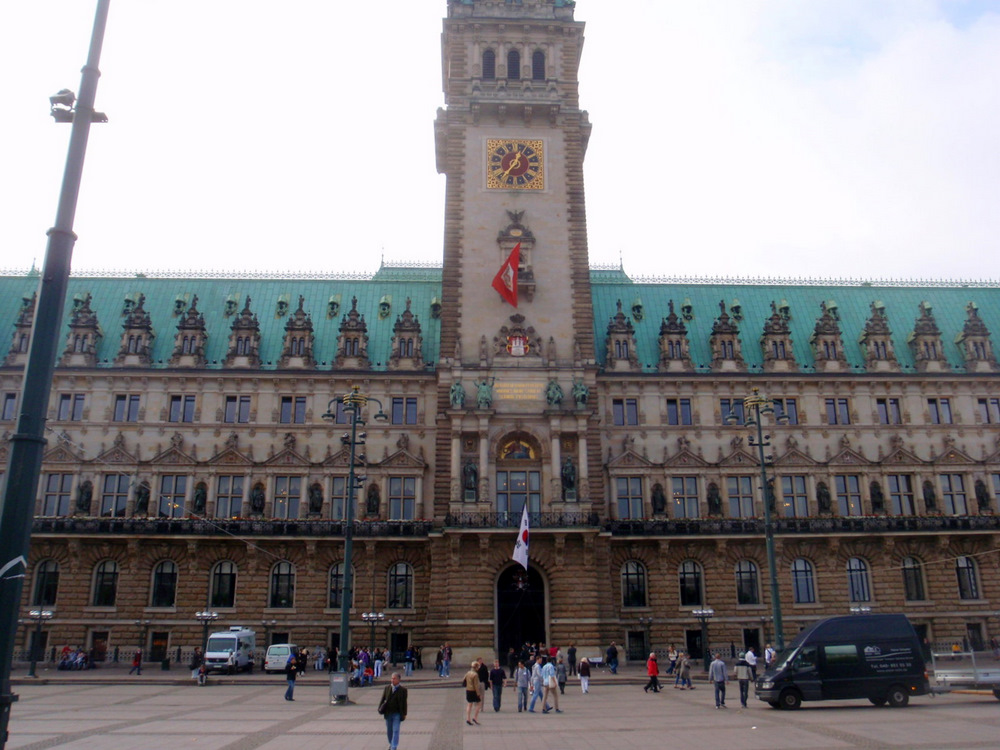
520 609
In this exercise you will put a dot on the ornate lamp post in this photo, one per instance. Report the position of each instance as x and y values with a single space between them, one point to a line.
354 402
703 616
372 618
39 616
205 618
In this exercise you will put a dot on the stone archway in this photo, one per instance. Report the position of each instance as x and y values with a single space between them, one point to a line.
520 601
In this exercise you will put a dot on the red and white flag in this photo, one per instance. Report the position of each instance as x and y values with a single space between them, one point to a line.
521 546
505 281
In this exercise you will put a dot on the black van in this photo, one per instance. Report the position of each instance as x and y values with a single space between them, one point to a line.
877 657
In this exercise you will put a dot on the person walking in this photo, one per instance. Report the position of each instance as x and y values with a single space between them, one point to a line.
497 678
751 659
136 662
671 660
652 670
522 677
550 688
536 683
471 683
612 654
561 675
744 674
393 709
446 660
408 659
769 657
584 670
484 684
718 676
571 658
291 671
684 672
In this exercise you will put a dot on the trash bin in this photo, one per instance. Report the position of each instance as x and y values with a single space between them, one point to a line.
165 664
338 687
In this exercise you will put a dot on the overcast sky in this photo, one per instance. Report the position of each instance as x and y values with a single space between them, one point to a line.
799 138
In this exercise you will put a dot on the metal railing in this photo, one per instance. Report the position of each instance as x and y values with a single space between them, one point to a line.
513 520
236 527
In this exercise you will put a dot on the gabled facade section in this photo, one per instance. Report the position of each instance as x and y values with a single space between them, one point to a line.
189 342
727 354
84 335
17 354
622 355
974 343
352 345
827 342
925 342
297 350
136 347
675 349
244 340
407 342
776 343
876 342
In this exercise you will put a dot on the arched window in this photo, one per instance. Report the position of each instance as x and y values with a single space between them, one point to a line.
913 580
223 591
747 589
803 582
489 65
538 65
858 585
689 577
633 584
164 589
400 586
336 598
46 583
282 594
514 65
105 584
968 580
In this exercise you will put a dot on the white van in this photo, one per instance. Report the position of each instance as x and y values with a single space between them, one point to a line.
277 657
231 651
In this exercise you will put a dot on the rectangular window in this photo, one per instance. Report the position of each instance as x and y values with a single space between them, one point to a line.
293 410
237 410
173 490
786 410
848 494
740 492
838 411
940 410
685 497
989 410
679 411
953 494
70 407
404 410
287 496
342 415
628 493
996 484
514 489
889 411
901 495
9 406
57 495
625 411
732 411
114 495
794 500
229 497
402 498
338 500
181 409
126 408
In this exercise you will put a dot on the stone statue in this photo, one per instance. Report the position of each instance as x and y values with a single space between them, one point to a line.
84 495
982 496
141 500
257 498
878 499
553 393
930 496
714 500
470 478
568 476
199 499
373 501
659 499
484 393
457 395
772 505
823 498
316 498
580 393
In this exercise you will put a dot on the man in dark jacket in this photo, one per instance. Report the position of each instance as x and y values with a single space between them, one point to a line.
393 709
291 670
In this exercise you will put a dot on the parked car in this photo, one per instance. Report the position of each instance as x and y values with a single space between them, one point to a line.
277 657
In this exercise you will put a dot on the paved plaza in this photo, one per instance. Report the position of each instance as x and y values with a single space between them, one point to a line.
106 710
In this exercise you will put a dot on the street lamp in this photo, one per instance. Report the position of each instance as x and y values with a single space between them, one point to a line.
372 618
205 618
39 616
353 402
703 616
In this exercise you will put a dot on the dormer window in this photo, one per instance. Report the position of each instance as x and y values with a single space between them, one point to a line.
514 65
778 350
880 350
538 65
489 65
830 350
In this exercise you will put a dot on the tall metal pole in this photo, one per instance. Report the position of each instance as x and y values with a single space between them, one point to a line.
28 443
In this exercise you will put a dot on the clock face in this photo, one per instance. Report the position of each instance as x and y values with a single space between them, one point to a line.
514 164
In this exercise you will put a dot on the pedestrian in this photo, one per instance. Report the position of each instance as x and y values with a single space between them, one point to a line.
561 675
550 687
652 670
446 660
571 658
744 673
408 659
439 661
536 683
195 662
393 709
671 660
751 659
417 656
718 676
612 654
471 683
584 670
484 684
136 662
684 672
769 656
291 670
497 677
522 677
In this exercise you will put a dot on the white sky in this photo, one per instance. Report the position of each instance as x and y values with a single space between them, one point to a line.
831 138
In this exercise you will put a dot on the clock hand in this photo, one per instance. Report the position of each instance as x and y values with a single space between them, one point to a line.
515 163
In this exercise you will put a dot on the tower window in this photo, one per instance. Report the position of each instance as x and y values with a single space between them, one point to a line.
489 65
514 65
538 66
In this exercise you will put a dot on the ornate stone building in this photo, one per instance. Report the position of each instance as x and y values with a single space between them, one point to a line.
190 465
